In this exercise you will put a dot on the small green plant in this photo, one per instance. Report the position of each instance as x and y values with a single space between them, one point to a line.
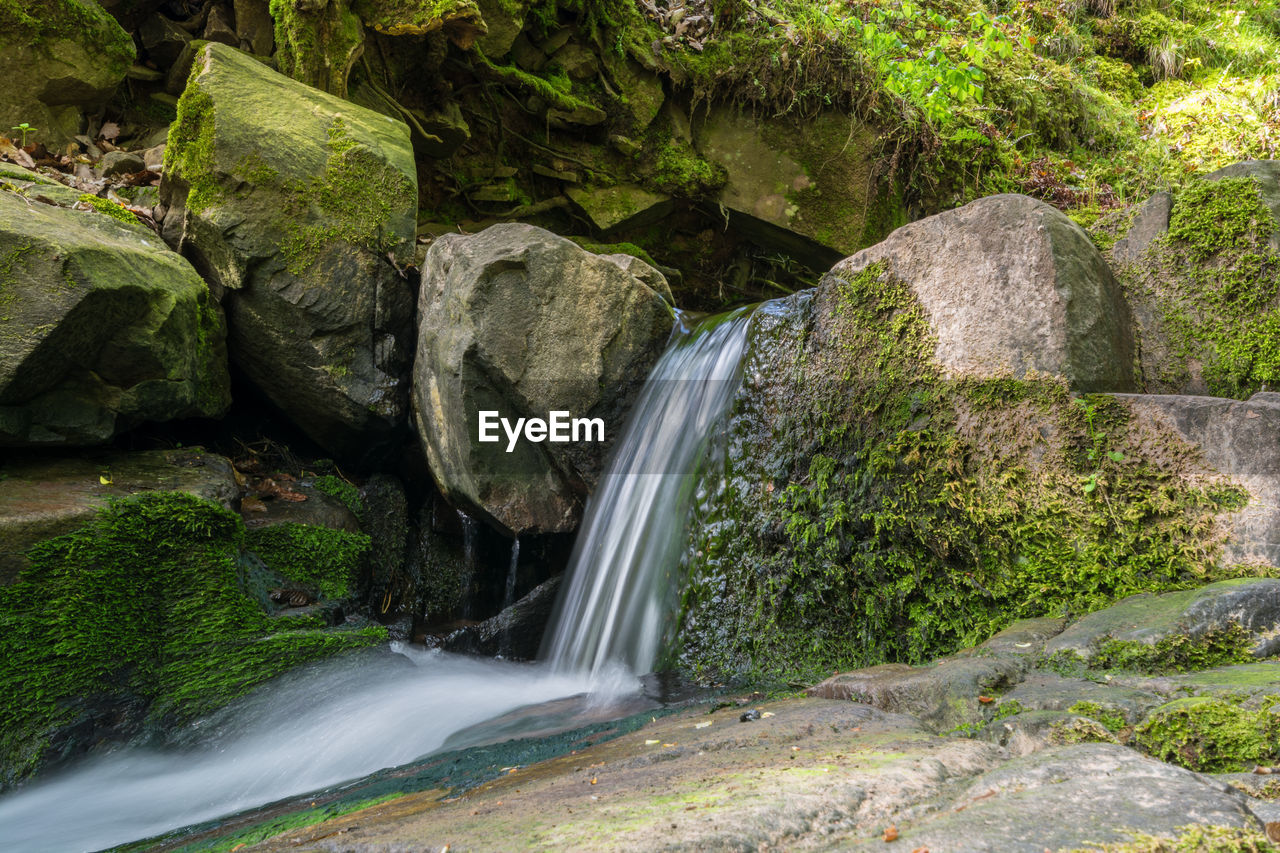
1097 449
24 129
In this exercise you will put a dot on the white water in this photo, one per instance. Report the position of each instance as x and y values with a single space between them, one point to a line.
620 590
347 718
340 721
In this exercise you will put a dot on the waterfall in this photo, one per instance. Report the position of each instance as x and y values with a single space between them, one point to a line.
621 592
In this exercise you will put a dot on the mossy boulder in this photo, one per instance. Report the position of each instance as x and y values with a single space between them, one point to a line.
41 498
146 617
1011 287
895 488
102 327
519 321
1200 271
297 206
59 56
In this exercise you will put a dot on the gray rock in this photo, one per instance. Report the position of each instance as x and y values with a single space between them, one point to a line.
504 19
297 206
1047 691
1149 223
122 163
516 632
944 694
968 267
218 26
254 27
318 510
519 321
1251 603
162 39
101 326
41 498
1032 731
1237 439
1075 796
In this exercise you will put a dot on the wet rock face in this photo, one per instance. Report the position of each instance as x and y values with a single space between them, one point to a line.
519 321
297 206
1011 287
516 632
101 326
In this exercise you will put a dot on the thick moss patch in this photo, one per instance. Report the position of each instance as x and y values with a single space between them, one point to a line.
871 511
329 560
1208 734
1211 284
136 619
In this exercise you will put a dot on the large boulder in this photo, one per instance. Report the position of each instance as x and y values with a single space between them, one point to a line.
57 57
101 326
298 207
908 466
519 321
1010 286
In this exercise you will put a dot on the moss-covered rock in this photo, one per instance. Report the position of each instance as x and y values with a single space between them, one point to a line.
297 206
42 498
1232 621
58 57
1204 733
140 618
1205 289
890 492
101 326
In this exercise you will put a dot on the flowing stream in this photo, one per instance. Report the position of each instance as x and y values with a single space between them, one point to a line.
346 718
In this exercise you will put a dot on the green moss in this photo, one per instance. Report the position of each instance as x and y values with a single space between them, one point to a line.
358 195
109 208
1211 735
317 48
1213 284
1079 731
1112 718
1220 216
188 154
1177 652
679 171
329 560
342 490
880 512
1195 838
139 615
615 249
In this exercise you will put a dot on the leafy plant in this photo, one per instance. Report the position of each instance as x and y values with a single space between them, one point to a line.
24 129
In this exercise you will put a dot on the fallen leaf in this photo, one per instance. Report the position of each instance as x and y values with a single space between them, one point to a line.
594 779
891 833
252 504
766 714
986 700
110 131
702 725
1273 830
921 850
651 742
104 479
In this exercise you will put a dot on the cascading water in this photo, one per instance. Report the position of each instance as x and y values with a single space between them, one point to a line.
620 589
347 718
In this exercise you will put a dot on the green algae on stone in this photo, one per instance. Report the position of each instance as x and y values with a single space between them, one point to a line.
140 616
